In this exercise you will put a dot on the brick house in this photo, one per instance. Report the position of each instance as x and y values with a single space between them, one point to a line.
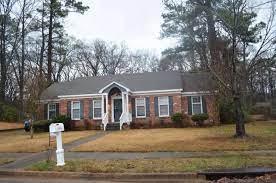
140 100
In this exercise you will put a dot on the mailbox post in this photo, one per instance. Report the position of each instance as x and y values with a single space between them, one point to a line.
55 130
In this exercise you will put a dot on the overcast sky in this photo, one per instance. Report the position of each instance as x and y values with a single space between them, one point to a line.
135 22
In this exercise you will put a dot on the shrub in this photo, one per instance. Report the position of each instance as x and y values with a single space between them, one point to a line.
226 113
41 126
177 119
8 113
200 118
265 110
66 120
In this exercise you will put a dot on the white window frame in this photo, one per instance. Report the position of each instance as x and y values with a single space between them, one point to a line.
166 115
141 105
201 106
97 108
72 108
48 117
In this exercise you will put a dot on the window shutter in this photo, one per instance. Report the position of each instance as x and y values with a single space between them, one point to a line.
91 109
133 107
147 107
189 105
156 106
45 111
69 108
170 105
204 106
81 109
57 109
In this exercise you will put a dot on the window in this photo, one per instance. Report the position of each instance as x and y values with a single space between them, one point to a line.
52 111
97 109
140 107
75 110
163 103
196 105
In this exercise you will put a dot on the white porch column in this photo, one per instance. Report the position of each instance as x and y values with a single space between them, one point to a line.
106 103
102 106
123 101
127 109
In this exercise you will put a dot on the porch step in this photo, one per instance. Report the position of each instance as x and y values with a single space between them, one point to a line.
112 126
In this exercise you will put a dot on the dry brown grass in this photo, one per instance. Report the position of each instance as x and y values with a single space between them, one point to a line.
262 135
158 165
10 125
5 160
20 141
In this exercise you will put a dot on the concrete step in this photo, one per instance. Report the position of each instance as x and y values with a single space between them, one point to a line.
113 126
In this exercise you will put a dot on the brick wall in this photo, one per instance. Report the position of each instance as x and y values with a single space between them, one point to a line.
212 108
180 104
155 121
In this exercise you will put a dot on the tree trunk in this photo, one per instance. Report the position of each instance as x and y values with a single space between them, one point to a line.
238 113
50 44
212 37
42 49
3 70
22 67
239 118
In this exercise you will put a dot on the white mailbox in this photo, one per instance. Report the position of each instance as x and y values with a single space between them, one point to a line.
55 129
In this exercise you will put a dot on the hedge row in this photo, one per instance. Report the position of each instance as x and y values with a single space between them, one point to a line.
43 125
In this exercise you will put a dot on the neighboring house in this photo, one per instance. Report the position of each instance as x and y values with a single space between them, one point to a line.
147 99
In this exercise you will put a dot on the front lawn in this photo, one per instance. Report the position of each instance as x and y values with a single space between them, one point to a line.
5 160
20 141
157 165
10 125
262 136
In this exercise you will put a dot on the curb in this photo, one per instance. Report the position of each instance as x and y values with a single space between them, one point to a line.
105 176
239 172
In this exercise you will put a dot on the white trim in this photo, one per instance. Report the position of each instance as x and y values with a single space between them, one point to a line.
49 100
152 92
79 96
114 82
112 106
157 91
201 106
97 108
136 108
72 110
168 107
160 93
196 93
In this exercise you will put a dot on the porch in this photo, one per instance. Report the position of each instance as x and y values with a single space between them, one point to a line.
115 106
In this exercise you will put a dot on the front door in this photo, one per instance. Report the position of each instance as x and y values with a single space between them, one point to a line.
117 109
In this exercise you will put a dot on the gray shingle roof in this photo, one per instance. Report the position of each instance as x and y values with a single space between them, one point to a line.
135 82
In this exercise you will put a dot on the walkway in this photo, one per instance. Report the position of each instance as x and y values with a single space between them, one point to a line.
140 155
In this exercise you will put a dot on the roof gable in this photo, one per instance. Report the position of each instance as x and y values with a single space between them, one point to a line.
108 87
